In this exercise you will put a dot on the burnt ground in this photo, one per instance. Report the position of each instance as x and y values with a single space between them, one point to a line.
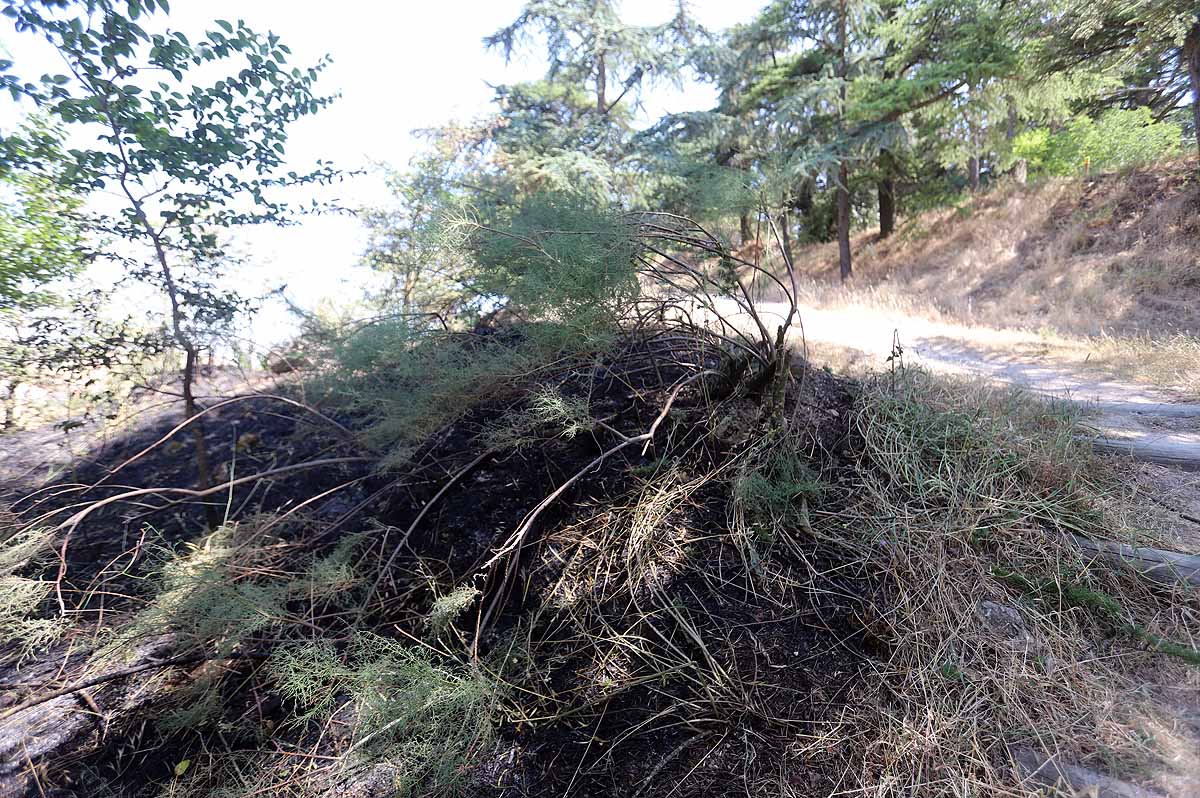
252 435
785 634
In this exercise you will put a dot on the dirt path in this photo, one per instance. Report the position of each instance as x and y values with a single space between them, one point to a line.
1151 423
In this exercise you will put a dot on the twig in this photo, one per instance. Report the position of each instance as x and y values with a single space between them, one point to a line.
517 540
458 475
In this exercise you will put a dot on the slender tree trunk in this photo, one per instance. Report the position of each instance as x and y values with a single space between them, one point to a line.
804 201
887 161
601 81
972 144
1020 167
10 405
747 229
845 267
191 351
190 409
785 225
887 193
190 363
1191 54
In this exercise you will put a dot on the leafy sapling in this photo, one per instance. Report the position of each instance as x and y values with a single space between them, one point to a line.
189 135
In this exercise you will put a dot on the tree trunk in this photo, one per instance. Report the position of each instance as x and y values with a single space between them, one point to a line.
191 360
10 405
1021 171
1191 54
182 339
843 222
973 172
887 194
785 225
747 229
601 80
887 161
843 187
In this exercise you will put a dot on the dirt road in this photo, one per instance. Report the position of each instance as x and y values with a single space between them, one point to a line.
1152 423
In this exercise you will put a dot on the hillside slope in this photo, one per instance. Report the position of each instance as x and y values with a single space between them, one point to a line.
1115 254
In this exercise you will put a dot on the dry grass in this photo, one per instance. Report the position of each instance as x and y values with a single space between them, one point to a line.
1003 635
1173 360
1117 254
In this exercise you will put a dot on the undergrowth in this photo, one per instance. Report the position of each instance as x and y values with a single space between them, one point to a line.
428 722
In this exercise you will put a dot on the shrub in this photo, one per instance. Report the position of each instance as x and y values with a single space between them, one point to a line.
557 258
429 721
1115 140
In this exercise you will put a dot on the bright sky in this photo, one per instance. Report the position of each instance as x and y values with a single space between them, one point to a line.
399 66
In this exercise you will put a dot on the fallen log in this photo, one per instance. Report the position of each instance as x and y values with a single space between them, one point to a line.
1051 771
64 724
1158 565
1148 450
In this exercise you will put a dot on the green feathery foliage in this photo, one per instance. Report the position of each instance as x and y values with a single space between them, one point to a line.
557 258
547 413
446 609
22 599
426 720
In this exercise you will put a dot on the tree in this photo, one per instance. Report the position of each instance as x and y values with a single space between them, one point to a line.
572 129
1159 39
41 239
187 158
41 243
406 245
843 183
587 44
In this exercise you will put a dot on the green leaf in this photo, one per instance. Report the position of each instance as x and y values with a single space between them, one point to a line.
182 767
225 25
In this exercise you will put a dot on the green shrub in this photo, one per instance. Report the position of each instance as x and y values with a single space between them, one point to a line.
778 484
410 382
1115 140
557 258
21 599
565 269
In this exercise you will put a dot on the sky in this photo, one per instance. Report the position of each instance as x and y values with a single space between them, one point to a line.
399 66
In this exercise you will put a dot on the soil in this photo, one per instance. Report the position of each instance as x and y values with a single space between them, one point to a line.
245 437
796 639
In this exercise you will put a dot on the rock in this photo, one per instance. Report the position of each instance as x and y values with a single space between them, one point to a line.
1002 619
35 739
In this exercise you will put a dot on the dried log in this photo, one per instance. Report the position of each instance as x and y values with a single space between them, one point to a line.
1159 565
71 723
1152 450
1049 771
